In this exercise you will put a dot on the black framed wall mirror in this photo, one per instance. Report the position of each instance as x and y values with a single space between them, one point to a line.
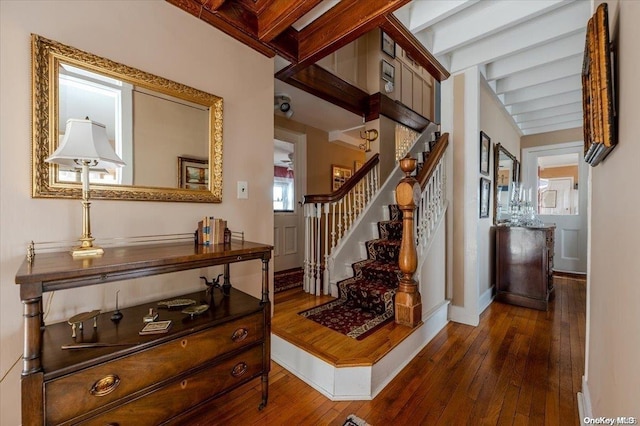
506 170
151 123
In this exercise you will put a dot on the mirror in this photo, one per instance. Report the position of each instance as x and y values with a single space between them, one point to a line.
153 124
506 169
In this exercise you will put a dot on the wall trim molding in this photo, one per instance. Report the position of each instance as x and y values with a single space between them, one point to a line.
486 298
584 402
463 315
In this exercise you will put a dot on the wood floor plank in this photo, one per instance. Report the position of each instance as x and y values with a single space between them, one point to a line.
519 366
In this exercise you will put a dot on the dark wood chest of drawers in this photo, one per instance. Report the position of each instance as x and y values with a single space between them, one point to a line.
146 379
524 265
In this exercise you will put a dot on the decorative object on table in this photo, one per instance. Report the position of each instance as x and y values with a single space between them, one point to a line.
117 315
151 316
156 327
195 310
85 145
77 320
387 72
522 211
598 91
193 173
211 231
176 303
339 175
215 283
485 194
387 44
368 136
485 151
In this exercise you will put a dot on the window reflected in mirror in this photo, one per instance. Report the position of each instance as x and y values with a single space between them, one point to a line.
283 176
558 184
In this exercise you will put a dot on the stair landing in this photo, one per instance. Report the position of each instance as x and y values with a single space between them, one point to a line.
338 366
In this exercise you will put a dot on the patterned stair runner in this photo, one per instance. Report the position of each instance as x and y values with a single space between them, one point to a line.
375 279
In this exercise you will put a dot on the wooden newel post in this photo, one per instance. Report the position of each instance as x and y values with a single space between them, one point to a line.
408 304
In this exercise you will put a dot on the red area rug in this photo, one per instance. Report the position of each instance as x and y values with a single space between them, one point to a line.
347 317
286 280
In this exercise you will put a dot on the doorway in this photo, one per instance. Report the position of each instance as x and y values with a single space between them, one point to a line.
559 175
289 186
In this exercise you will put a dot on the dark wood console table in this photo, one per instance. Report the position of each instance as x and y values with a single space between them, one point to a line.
524 265
148 379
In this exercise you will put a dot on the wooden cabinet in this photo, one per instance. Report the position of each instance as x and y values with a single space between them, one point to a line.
148 379
524 265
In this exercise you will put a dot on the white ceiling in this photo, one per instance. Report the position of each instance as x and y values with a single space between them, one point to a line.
529 51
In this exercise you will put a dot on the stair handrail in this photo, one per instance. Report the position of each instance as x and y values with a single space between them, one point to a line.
432 180
347 186
328 218
433 160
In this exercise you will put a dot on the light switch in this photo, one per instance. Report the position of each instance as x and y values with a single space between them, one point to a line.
243 190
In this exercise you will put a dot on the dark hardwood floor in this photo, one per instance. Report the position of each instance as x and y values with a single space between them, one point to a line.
519 366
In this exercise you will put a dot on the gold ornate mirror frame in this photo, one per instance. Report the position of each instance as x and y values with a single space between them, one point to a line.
46 58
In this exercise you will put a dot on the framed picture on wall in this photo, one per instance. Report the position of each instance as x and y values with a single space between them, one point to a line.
193 173
485 185
388 45
388 72
485 151
339 175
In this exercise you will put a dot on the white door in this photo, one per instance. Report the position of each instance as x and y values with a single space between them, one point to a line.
289 186
560 174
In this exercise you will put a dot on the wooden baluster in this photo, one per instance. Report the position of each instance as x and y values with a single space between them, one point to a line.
307 243
408 305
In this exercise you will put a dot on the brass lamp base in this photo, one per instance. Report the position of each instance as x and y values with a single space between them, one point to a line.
87 251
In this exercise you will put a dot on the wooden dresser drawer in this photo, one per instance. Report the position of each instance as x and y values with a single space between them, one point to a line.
174 398
70 396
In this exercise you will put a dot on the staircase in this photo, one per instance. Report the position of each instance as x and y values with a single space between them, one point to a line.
375 279
337 242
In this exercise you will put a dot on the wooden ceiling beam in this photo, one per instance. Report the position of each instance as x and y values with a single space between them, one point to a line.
223 23
405 39
280 15
212 5
340 25
325 85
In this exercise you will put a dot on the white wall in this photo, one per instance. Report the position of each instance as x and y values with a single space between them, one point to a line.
613 295
164 40
499 126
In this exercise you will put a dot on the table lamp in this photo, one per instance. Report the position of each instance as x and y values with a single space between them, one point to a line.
86 145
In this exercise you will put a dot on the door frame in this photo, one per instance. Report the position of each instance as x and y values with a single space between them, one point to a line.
300 184
530 176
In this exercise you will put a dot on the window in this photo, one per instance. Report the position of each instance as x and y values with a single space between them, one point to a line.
283 178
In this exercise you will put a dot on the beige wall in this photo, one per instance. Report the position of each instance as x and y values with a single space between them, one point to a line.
613 310
497 124
321 155
552 138
155 37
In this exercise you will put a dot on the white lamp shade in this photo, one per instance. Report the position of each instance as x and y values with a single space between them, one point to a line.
85 140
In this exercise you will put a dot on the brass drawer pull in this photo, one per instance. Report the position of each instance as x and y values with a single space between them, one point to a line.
105 386
240 334
239 369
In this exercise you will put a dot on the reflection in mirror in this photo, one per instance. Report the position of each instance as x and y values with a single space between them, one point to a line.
506 170
558 184
151 122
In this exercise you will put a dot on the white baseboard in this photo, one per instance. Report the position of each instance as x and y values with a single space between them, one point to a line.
584 402
357 383
485 299
463 315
